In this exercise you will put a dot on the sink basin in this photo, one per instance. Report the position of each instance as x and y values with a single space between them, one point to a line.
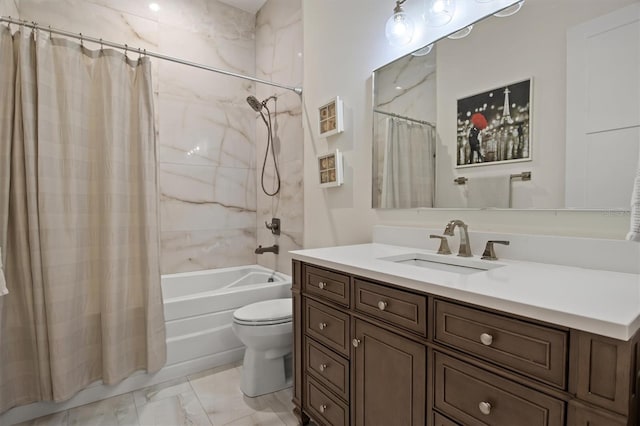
447 263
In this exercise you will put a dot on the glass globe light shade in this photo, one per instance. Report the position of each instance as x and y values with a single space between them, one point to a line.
511 10
399 29
439 12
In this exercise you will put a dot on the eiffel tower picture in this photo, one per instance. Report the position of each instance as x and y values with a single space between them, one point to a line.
506 110
495 126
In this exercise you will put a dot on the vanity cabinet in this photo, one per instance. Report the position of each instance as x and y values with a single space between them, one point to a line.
374 353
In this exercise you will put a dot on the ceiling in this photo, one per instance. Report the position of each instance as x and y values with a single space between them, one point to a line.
251 6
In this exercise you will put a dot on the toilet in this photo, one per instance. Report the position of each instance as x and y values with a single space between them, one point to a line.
266 330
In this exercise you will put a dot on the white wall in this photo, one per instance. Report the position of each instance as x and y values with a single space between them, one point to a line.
343 43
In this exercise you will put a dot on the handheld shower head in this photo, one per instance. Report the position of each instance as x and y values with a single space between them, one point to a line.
255 103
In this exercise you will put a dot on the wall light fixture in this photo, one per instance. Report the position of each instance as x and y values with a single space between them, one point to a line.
511 10
399 28
461 33
439 12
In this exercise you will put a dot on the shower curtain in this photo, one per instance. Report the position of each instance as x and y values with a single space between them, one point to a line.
81 241
408 178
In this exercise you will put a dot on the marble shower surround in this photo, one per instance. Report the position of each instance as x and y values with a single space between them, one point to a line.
9 8
206 131
279 58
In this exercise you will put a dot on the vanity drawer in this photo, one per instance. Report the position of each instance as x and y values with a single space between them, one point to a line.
473 397
401 308
327 285
331 370
535 351
324 406
328 326
440 420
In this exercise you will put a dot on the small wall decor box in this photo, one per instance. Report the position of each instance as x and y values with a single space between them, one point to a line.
330 118
330 169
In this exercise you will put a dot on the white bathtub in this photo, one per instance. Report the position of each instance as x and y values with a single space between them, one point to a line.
198 309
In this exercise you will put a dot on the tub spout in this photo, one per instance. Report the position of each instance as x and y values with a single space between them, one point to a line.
272 249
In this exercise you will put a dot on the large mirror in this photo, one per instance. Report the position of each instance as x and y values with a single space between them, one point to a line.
536 110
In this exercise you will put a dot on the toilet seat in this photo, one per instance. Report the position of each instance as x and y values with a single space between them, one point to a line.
267 312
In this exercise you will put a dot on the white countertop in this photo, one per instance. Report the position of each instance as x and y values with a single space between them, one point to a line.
600 302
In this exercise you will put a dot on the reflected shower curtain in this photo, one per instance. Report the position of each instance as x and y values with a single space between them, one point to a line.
409 165
81 257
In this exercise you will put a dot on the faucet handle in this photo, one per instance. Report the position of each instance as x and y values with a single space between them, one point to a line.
489 252
444 244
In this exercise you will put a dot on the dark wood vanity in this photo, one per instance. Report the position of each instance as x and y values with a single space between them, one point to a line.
373 353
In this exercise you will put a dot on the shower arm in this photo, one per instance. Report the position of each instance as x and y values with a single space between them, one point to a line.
144 52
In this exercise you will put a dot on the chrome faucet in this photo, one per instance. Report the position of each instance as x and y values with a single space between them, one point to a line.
465 246
271 249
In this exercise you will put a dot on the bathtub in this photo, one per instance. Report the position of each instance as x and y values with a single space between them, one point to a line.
198 309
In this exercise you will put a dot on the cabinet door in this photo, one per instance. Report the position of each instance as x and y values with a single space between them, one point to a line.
390 378
581 415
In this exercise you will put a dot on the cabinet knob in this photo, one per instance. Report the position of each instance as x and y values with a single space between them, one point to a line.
322 285
322 408
355 342
485 408
382 305
323 367
322 325
486 339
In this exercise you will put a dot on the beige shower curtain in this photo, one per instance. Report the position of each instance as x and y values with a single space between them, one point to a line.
81 256
409 165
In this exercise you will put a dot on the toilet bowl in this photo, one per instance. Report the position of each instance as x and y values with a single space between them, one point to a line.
266 330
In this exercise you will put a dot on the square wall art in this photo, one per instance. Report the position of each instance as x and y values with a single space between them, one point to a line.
494 126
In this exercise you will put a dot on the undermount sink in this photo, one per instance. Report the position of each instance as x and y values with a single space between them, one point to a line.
447 263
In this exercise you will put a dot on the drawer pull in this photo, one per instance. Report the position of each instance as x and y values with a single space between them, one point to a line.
485 408
322 325
382 305
322 285
355 342
323 367
486 339
322 408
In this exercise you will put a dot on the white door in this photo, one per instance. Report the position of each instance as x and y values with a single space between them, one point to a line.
603 110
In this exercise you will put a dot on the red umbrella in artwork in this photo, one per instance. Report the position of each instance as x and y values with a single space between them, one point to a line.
479 121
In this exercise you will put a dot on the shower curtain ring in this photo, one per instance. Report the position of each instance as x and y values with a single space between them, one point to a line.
50 33
81 40
126 49
101 46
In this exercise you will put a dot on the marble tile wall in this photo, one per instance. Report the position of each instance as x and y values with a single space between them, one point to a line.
279 58
9 8
206 131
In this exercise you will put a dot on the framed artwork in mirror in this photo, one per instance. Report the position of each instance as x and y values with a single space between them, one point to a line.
330 169
494 126
330 118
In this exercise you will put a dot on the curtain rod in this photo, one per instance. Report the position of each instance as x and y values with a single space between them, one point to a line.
404 118
146 52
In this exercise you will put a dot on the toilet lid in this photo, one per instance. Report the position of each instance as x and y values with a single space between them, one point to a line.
273 311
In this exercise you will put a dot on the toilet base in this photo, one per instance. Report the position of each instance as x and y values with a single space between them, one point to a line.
262 374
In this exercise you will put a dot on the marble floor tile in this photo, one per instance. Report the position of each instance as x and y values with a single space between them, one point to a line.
210 398
265 417
281 404
179 410
161 391
119 410
56 419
